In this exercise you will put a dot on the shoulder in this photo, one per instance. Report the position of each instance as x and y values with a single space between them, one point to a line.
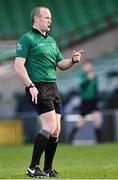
82 74
53 42
24 41
52 39
27 36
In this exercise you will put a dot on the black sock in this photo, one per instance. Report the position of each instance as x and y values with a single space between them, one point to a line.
40 144
72 134
50 152
98 133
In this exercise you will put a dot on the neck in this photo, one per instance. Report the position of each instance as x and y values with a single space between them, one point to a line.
42 32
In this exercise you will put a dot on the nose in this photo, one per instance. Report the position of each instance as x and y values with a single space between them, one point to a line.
50 21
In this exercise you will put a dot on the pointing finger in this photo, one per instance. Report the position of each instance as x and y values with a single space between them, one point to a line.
81 51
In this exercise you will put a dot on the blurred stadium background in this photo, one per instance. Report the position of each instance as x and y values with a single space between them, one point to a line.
91 25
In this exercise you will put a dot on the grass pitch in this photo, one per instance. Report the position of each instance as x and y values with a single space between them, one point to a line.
72 162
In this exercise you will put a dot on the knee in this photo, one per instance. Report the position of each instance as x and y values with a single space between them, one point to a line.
81 124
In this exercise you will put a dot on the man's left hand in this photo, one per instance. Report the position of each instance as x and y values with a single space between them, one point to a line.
76 56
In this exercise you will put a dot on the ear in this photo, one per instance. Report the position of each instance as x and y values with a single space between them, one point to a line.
36 19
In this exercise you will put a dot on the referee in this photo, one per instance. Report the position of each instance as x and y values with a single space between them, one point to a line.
37 57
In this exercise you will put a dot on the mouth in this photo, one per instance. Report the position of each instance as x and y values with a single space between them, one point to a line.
49 26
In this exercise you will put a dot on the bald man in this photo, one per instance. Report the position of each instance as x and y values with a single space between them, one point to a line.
37 57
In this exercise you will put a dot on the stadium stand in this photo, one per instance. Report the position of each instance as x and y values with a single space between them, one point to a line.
73 20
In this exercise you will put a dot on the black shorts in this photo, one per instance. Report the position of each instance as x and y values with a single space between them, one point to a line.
88 106
48 98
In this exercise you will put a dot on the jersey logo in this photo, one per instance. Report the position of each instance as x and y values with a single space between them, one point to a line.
40 44
19 46
53 45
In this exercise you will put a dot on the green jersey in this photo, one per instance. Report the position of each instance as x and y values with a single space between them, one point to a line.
88 88
41 54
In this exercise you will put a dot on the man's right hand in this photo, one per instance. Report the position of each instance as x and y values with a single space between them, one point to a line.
34 92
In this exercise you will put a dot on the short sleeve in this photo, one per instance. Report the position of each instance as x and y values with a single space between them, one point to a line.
59 55
23 46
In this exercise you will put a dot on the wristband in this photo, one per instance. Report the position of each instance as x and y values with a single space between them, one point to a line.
31 86
73 60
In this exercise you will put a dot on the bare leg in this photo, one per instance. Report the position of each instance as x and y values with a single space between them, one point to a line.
97 117
79 124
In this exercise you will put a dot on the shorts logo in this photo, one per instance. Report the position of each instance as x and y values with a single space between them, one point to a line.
19 46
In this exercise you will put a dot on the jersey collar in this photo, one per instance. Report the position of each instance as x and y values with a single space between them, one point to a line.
37 31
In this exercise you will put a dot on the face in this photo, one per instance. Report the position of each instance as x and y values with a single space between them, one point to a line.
87 67
44 20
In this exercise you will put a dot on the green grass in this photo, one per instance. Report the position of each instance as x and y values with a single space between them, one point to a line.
72 162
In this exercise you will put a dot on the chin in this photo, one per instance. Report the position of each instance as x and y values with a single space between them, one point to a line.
48 30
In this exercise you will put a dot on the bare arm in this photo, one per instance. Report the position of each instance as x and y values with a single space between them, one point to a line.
19 66
68 63
21 70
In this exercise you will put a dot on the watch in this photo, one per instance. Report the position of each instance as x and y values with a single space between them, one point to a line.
73 60
31 86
